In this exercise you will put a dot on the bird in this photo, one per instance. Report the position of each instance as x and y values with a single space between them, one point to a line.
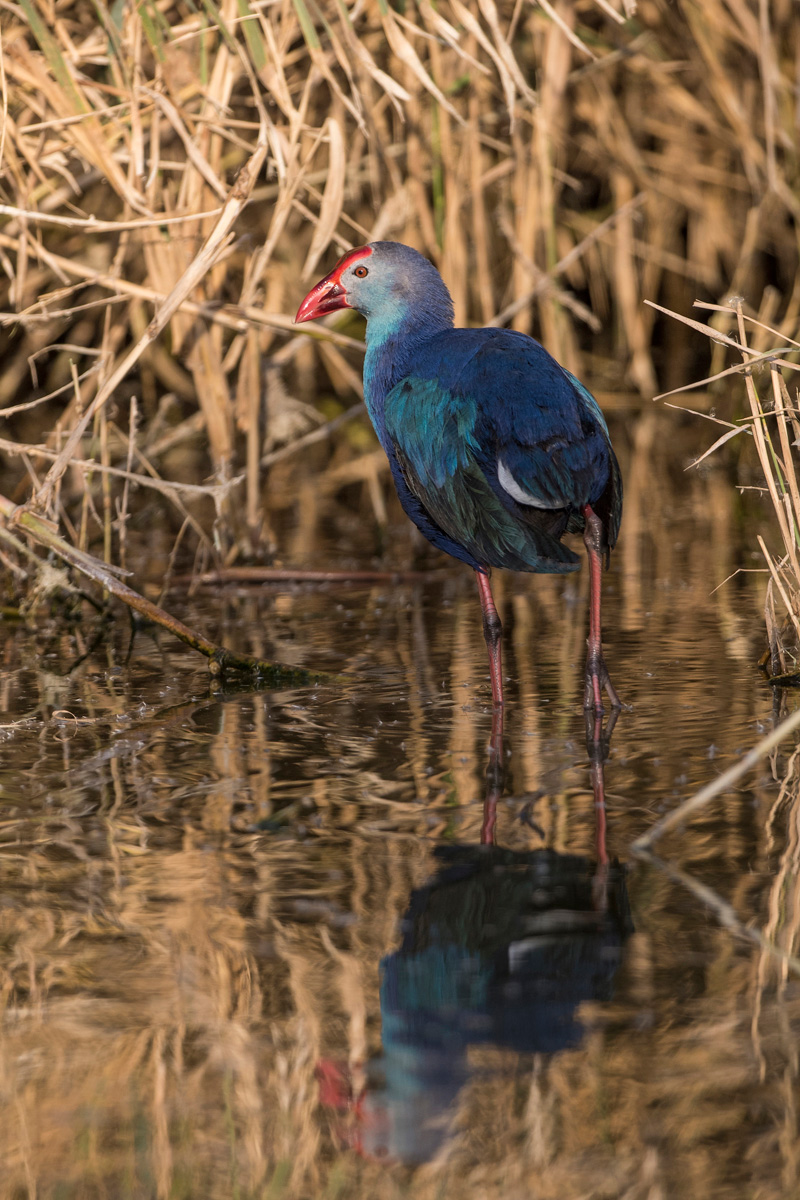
495 449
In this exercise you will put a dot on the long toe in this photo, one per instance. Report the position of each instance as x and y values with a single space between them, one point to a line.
597 679
612 691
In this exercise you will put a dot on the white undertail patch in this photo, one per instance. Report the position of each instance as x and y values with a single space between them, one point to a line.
509 484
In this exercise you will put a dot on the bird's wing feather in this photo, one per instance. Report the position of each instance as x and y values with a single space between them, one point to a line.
539 434
435 435
609 505
547 433
588 400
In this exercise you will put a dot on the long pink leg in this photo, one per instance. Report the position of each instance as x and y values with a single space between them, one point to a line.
597 676
494 778
597 744
493 632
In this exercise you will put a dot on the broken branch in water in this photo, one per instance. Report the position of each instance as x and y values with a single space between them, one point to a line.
262 575
220 659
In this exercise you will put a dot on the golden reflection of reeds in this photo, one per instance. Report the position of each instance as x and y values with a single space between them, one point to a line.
209 1045
172 977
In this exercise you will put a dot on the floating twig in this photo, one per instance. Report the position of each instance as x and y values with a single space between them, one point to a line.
723 911
713 789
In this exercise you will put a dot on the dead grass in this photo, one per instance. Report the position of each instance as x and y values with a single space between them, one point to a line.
774 424
558 162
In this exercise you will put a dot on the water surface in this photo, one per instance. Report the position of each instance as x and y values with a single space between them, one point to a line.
251 943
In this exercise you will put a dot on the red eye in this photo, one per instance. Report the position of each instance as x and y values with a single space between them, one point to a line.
361 272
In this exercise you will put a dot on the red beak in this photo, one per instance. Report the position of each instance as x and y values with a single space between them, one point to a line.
327 296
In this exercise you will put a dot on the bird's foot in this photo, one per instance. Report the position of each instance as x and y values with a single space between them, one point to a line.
598 735
597 678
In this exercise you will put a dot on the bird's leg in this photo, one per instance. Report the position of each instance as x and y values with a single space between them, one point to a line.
597 676
598 741
494 778
493 632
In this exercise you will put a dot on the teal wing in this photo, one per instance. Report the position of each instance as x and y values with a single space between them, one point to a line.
433 433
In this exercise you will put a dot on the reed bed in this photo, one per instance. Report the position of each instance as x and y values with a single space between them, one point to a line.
171 179
772 422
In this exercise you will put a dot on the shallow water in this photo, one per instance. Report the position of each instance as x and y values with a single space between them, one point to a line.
251 943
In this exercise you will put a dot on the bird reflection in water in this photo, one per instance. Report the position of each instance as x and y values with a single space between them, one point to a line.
499 948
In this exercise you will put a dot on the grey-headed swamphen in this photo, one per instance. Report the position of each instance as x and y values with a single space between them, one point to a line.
495 449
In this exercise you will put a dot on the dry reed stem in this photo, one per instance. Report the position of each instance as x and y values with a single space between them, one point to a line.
216 492
776 579
778 471
92 225
417 125
239 317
